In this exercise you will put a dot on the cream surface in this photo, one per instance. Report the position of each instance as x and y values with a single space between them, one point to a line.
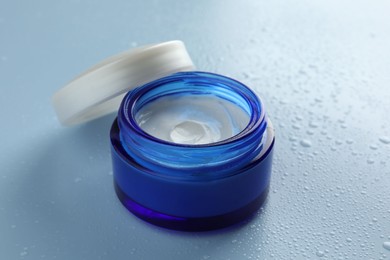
195 119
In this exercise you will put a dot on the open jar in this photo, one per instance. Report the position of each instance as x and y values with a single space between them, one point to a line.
190 150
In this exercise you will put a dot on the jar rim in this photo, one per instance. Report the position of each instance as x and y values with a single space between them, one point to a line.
251 99
221 158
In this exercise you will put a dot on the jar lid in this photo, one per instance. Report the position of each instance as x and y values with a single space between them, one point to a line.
100 90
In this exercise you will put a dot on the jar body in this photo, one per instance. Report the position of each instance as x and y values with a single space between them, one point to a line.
193 195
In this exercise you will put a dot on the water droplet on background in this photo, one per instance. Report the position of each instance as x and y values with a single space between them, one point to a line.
370 161
385 139
77 180
373 147
305 143
313 124
386 245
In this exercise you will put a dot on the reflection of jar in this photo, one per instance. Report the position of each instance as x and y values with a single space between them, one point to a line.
192 186
190 150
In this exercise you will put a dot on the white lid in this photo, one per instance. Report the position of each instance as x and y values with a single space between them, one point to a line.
100 90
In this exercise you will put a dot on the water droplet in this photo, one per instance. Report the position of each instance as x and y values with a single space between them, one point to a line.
297 127
246 75
77 180
305 143
370 161
385 139
373 147
309 132
386 245
320 253
23 253
349 240
313 124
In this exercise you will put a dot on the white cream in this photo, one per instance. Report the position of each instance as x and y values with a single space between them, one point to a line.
192 119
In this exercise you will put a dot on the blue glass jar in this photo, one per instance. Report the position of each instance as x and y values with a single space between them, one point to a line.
192 186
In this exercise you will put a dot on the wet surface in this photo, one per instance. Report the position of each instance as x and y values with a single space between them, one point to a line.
320 67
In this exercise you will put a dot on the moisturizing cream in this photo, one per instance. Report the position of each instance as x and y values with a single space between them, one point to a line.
192 119
192 151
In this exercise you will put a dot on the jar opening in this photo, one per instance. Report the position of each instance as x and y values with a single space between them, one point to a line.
192 124
191 118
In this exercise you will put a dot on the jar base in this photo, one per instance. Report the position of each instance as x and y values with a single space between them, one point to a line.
190 224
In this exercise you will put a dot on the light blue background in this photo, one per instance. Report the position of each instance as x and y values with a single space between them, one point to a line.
322 68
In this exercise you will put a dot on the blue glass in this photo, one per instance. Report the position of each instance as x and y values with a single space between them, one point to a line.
192 187
183 161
